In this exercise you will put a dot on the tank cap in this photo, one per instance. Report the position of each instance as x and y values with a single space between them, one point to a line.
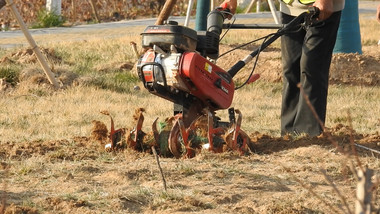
168 22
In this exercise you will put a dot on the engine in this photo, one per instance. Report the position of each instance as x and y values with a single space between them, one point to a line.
176 65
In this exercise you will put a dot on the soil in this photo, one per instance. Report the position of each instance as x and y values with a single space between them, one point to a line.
274 175
281 175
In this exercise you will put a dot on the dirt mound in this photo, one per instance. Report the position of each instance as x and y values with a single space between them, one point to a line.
340 135
12 209
355 69
27 56
82 148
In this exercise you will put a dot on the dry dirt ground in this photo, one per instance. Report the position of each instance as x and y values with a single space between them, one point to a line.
280 175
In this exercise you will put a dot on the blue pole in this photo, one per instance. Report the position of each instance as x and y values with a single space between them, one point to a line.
203 8
348 39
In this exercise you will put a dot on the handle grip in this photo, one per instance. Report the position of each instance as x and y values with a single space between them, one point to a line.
223 8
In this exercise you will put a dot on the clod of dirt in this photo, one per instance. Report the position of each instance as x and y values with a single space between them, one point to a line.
16 209
99 132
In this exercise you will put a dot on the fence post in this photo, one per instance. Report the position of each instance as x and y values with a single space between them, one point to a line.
54 6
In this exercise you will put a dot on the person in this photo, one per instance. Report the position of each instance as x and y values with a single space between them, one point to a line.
306 59
378 13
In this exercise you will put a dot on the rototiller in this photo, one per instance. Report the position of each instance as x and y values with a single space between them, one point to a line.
179 66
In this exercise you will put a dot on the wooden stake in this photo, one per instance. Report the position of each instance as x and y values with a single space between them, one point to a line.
159 166
33 44
165 12
250 6
273 11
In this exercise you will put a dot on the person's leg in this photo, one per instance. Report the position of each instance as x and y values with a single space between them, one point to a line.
315 64
291 47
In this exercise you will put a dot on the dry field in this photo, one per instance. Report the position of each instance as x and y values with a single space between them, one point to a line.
51 163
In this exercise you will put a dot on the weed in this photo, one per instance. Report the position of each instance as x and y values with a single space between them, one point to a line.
46 19
10 73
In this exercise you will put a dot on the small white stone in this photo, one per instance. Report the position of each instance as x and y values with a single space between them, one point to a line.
206 146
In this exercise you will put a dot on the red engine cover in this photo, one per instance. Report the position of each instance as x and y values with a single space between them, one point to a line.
211 83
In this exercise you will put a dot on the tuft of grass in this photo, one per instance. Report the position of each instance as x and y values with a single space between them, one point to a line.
10 73
46 19
119 81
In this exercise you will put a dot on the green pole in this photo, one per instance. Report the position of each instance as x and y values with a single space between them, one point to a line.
203 8
348 39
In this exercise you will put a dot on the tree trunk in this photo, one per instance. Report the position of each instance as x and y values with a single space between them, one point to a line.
94 10
54 6
74 12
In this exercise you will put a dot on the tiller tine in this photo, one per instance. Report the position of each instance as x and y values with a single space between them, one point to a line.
136 135
156 134
179 138
115 135
212 132
236 139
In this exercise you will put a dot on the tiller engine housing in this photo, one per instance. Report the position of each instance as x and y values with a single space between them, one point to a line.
175 67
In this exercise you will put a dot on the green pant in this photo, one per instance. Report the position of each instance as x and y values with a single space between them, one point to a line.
306 59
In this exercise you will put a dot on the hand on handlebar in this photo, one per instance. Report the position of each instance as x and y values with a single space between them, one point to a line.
229 5
325 9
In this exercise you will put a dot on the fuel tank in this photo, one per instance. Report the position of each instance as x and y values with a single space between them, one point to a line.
208 82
